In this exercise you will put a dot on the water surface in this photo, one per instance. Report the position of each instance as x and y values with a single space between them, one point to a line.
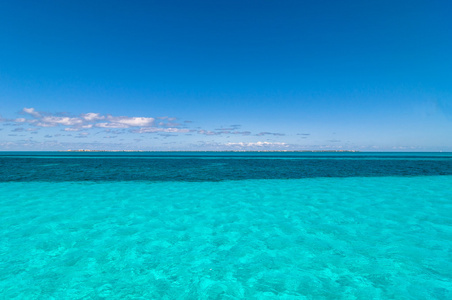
225 226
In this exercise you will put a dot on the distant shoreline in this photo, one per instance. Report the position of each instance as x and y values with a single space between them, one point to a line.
219 151
86 150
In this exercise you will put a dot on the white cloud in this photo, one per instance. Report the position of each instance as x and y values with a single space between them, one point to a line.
31 111
85 120
158 129
223 131
92 116
207 132
258 144
111 125
132 121
138 125
44 124
269 133
67 121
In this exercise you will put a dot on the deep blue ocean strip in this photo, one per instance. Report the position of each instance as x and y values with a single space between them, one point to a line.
120 168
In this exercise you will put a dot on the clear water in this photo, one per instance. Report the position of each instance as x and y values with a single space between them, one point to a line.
225 226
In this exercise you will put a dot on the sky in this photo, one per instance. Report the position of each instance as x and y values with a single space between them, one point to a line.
226 75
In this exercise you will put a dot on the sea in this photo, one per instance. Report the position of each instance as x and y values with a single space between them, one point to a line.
225 225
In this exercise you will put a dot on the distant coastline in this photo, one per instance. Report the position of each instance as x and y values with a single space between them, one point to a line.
87 150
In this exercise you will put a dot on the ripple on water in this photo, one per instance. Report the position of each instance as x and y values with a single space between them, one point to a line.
330 238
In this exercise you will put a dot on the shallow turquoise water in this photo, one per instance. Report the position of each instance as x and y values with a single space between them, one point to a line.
384 237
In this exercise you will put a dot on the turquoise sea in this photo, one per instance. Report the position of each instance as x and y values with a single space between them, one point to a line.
225 225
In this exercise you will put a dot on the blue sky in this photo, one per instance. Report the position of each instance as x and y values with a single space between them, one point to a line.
226 75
